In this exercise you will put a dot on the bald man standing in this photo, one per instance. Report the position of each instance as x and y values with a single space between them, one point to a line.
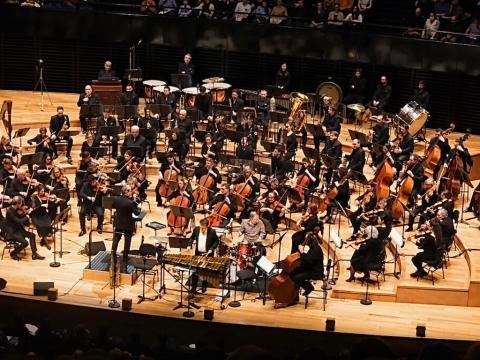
87 98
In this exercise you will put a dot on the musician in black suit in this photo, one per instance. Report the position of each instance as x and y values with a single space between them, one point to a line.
429 198
311 262
250 130
129 97
15 222
90 195
333 147
415 170
421 95
262 107
209 168
442 142
167 98
203 103
60 122
107 73
244 151
206 241
187 68
356 159
43 143
307 223
124 223
87 98
380 135
185 124
134 139
280 166
150 122
236 104
356 88
404 149
290 143
382 94
107 120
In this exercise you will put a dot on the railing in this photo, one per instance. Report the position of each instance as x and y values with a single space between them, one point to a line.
291 21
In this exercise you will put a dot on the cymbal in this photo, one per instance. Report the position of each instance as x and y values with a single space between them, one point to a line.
356 107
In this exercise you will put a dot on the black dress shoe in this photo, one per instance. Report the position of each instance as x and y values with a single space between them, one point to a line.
44 242
99 230
204 287
37 256
409 229
82 232
15 256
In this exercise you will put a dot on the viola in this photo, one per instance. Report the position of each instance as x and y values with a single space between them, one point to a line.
178 221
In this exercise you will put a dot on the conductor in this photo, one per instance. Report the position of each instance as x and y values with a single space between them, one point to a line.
124 223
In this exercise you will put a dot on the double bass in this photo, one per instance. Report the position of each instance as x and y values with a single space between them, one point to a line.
282 288
401 199
433 154
383 178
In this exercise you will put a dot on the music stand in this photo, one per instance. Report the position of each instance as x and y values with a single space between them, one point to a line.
178 242
363 138
226 159
98 152
137 151
116 190
59 218
31 159
89 112
233 135
21 133
268 146
316 130
161 157
182 212
278 117
181 80
133 75
243 162
68 133
199 135
150 134
311 153
114 176
61 193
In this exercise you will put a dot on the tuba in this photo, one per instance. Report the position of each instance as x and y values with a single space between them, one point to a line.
297 117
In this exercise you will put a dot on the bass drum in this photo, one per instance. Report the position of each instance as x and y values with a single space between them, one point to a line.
413 115
331 93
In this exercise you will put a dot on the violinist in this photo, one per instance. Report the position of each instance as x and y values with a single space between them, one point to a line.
209 149
7 173
220 200
180 197
124 224
90 195
447 227
356 159
459 149
43 142
307 223
279 165
22 185
365 204
236 104
124 166
383 220
177 145
427 242
339 180
216 129
272 210
206 241
150 122
442 142
369 253
139 179
311 262
107 120
249 130
7 150
16 221
88 144
41 214
58 181
414 169
44 170
244 183
58 123
169 170
402 148
86 162
245 150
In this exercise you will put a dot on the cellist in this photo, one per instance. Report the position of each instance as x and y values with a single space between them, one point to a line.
307 223
307 180
340 181
222 200
428 199
247 178
180 197
169 170
210 170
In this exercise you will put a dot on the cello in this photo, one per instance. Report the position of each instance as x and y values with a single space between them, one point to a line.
205 184
168 175
331 194
383 178
243 190
302 182
179 222
434 153
219 213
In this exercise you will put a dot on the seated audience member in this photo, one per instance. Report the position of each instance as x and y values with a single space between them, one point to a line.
185 10
415 24
432 24
262 11
242 10
319 17
167 7
279 13
148 7
355 17
336 17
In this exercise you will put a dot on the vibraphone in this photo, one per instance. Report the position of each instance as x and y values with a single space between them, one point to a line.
212 269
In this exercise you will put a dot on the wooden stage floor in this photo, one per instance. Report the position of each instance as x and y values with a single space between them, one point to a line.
450 309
